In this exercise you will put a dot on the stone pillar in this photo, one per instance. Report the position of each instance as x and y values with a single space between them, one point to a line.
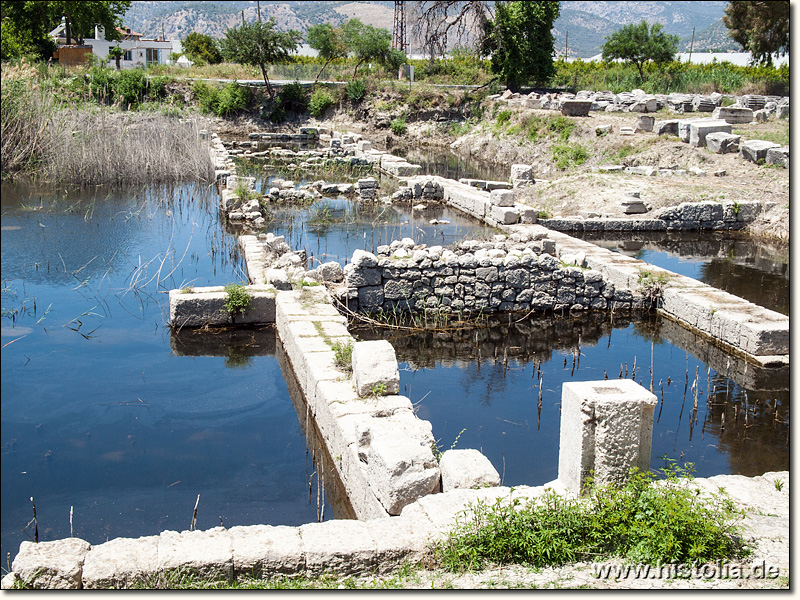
606 429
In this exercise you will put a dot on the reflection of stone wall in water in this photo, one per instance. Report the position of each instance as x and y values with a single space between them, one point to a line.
531 339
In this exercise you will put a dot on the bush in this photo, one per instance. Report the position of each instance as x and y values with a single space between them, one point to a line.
237 299
101 83
356 90
158 86
503 117
569 156
642 521
130 85
321 100
222 102
292 98
398 126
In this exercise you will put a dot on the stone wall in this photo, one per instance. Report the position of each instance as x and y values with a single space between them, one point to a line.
518 273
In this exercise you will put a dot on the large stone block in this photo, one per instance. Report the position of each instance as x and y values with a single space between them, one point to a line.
502 197
733 114
338 546
197 307
606 429
504 215
669 127
645 123
208 553
467 469
755 150
700 129
576 108
375 367
262 550
51 565
722 143
120 562
778 156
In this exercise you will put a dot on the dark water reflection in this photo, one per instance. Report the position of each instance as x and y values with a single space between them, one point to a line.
738 265
103 408
487 382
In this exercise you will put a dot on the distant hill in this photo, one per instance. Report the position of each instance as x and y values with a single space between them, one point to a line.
582 26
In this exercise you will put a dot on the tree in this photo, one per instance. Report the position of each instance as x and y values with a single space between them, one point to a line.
328 42
762 28
366 42
258 44
116 53
82 16
445 22
520 41
203 48
639 44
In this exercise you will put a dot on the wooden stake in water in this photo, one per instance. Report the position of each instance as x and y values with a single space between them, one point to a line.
70 522
193 525
35 523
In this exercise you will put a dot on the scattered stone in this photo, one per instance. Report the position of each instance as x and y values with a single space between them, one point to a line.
467 469
645 123
733 114
576 108
778 156
761 116
755 150
720 173
626 131
722 143
698 130
604 129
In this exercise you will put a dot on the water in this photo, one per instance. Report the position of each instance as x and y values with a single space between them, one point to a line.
486 382
728 262
444 163
104 409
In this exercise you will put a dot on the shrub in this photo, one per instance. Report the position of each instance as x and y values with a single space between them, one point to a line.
321 100
641 521
237 300
292 98
398 126
356 90
158 86
503 117
101 83
231 98
130 85
569 156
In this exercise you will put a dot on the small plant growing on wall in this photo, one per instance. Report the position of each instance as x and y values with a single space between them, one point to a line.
343 355
237 300
653 285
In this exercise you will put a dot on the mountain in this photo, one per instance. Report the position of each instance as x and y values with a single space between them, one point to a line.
712 39
581 27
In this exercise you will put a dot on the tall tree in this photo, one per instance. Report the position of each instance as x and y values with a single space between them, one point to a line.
201 47
259 44
328 41
640 44
520 40
444 23
82 16
366 42
762 28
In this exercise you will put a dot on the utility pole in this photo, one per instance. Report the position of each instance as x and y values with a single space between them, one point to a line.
399 32
258 8
691 46
566 46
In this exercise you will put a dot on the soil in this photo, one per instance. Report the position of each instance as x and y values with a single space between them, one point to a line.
579 187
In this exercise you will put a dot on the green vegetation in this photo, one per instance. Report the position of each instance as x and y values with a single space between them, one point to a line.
202 49
356 90
762 28
320 101
328 42
225 101
343 355
642 521
640 44
568 156
378 389
398 126
368 43
237 299
652 285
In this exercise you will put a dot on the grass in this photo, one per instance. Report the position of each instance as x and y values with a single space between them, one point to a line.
569 156
343 355
237 299
641 521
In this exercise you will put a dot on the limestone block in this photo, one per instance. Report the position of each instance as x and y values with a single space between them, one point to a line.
198 307
399 539
700 129
669 127
364 145
362 258
645 123
375 364
208 553
397 457
329 271
467 469
263 550
733 114
338 546
755 150
778 156
502 198
497 185
606 429
278 278
761 116
521 174
627 131
632 206
782 111
576 108
120 562
722 143
684 126
527 214
504 215
51 565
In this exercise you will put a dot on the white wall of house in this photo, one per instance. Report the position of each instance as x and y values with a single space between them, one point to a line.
138 53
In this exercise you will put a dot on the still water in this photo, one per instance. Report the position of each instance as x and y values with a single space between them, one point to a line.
107 413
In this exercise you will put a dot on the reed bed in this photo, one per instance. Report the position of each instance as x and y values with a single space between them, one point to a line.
91 145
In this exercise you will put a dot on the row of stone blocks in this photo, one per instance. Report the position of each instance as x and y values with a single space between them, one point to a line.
734 323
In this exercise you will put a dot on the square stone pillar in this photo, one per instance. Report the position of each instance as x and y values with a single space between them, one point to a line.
606 429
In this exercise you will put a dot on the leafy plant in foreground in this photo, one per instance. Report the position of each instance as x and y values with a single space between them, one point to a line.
237 299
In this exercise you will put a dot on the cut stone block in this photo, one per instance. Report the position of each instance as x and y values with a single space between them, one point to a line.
51 565
645 123
502 197
339 546
576 108
667 127
733 114
504 215
761 116
632 206
262 550
521 175
120 562
700 129
606 429
755 150
467 469
497 185
627 131
206 306
208 553
778 156
375 367
722 143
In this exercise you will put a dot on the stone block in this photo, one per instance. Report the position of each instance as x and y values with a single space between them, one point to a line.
606 429
467 469
502 198
632 206
778 156
669 127
504 215
497 185
521 175
782 111
627 131
51 565
197 307
722 143
399 539
208 553
700 129
263 550
761 116
576 108
755 150
119 562
733 114
340 546
375 366
645 123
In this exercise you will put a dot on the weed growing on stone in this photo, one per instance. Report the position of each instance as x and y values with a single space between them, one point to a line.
779 485
652 285
343 355
237 299
642 521
378 389
187 290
